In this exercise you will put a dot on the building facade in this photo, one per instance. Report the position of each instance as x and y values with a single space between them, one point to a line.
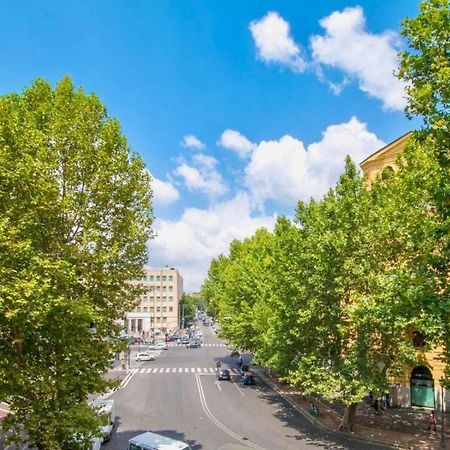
420 385
158 310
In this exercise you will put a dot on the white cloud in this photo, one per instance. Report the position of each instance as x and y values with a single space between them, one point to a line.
164 192
274 42
233 140
199 235
286 171
192 141
370 58
202 176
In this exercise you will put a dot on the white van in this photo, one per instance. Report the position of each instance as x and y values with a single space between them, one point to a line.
107 408
153 441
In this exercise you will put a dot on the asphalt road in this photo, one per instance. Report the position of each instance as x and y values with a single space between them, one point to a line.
178 395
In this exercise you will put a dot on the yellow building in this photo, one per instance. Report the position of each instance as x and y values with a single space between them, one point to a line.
158 311
420 385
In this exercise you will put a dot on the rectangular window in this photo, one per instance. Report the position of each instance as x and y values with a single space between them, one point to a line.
164 288
138 309
145 298
164 298
170 308
170 277
145 309
158 298
145 277
139 325
164 278
158 278
418 339
152 319
164 308
164 319
133 325
151 277
170 288
152 309
158 309
170 298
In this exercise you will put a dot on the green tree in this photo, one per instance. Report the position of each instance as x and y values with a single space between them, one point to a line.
75 218
188 305
425 66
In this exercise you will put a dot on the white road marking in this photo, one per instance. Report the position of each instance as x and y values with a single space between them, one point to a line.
218 385
180 370
239 389
186 370
216 421
192 370
174 370
199 370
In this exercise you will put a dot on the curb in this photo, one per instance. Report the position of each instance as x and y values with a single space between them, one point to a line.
312 420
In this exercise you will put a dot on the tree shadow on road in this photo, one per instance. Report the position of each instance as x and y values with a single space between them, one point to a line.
307 432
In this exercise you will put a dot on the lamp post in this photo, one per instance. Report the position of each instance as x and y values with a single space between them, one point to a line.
442 383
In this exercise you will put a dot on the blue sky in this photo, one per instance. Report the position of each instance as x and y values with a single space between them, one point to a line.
239 109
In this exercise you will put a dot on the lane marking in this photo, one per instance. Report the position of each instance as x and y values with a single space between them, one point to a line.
239 389
174 370
180 369
192 370
216 421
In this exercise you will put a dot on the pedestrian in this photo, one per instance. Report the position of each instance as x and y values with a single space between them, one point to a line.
432 421
122 363
240 361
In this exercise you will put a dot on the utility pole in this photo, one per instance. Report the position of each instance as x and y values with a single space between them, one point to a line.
182 315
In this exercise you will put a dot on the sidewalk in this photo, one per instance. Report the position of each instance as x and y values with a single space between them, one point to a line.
404 428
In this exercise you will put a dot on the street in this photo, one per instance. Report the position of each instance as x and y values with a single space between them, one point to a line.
178 395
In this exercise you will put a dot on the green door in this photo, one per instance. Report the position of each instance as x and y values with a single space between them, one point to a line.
422 387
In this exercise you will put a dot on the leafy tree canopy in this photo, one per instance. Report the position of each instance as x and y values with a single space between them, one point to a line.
75 218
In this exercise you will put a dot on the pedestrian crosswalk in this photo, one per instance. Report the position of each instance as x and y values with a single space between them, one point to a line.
178 370
175 344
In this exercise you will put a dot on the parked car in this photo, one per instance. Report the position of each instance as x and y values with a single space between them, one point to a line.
145 356
185 340
194 344
248 379
223 374
107 409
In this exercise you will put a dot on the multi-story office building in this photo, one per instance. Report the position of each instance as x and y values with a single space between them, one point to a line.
420 384
158 310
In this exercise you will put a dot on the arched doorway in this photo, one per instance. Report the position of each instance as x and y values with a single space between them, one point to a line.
422 387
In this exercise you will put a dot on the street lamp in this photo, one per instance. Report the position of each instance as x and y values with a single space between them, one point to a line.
442 383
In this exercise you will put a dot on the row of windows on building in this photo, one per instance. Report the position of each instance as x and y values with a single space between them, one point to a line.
160 288
164 298
152 309
158 278
138 324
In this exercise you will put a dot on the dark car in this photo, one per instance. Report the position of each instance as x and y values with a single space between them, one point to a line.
194 344
224 374
248 379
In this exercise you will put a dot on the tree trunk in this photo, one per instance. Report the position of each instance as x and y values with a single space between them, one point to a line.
348 420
